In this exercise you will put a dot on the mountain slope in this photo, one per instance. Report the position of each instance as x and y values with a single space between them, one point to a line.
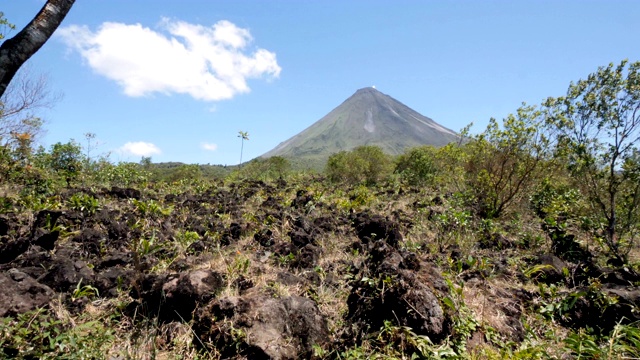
368 117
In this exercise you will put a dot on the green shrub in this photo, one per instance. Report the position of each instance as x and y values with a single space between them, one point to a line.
416 166
85 203
364 164
66 160
271 168
122 174
504 161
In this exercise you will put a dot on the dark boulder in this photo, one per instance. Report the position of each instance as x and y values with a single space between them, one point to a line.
4 226
375 227
10 250
392 290
551 269
174 297
255 326
125 193
65 274
21 293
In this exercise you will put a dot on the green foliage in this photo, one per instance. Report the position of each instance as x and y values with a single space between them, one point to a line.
40 335
37 182
191 172
358 197
398 341
20 166
364 164
66 159
87 291
121 174
84 203
622 343
237 268
504 161
463 322
271 168
151 208
144 247
286 259
558 305
185 238
598 125
416 166
553 200
5 26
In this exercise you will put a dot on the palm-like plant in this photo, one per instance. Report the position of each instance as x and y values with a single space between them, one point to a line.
243 135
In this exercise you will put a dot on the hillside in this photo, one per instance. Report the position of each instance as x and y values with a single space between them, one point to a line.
368 117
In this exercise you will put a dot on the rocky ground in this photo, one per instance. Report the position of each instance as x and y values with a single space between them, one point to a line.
301 269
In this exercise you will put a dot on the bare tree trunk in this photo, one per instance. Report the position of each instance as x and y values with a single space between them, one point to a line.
17 50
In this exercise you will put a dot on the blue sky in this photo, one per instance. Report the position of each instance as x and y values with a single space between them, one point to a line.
177 80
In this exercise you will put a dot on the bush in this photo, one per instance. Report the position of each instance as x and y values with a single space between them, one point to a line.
416 166
503 162
364 164
122 174
66 159
271 168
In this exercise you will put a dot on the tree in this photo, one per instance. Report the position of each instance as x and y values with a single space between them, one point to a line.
16 51
243 135
598 129
25 95
503 161
66 160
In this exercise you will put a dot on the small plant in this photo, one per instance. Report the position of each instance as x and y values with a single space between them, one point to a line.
622 343
186 238
463 322
151 208
40 335
146 246
238 267
284 260
6 205
319 352
87 291
85 203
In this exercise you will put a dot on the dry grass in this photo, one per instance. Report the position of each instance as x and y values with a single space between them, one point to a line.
491 303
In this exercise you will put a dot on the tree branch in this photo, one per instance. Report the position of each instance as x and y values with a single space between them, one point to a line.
17 50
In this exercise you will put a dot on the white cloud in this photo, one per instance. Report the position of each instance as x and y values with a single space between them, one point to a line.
139 148
207 63
210 146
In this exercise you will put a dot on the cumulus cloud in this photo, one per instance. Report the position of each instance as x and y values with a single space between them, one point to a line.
207 63
139 148
210 146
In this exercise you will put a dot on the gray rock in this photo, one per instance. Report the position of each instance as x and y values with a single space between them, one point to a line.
21 293
271 328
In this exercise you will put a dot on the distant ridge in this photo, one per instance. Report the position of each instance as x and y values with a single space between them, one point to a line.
368 117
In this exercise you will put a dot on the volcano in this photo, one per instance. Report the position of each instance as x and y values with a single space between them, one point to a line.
368 117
